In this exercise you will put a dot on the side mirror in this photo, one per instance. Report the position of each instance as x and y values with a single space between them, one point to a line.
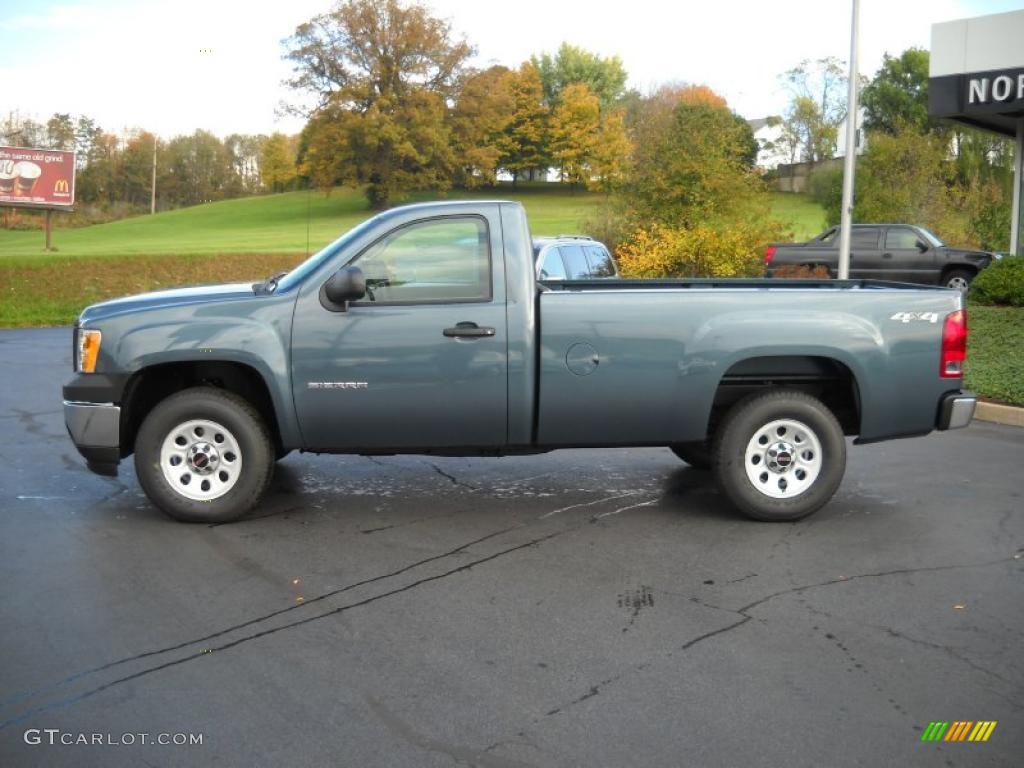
922 246
347 284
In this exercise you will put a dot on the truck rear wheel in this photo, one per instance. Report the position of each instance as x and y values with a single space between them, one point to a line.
204 455
779 456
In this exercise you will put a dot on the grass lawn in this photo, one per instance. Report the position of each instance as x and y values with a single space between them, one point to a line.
271 224
805 216
995 353
241 239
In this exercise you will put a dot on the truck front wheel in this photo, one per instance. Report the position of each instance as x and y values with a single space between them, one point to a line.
204 455
779 456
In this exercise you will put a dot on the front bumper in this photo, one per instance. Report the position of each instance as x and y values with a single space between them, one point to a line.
95 429
956 410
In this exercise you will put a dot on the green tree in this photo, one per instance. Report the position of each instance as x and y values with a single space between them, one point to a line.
574 128
380 75
818 91
605 77
60 132
897 96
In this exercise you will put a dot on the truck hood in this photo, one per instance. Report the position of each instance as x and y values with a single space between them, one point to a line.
163 299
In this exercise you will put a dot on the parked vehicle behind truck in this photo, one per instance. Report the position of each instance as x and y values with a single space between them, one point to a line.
425 330
901 252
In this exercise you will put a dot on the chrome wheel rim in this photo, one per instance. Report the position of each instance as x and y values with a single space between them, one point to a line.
783 459
959 283
200 459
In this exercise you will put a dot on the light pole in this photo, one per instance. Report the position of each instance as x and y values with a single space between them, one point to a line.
152 187
849 160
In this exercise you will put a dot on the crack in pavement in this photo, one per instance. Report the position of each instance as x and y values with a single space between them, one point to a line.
745 616
461 755
204 653
250 622
450 477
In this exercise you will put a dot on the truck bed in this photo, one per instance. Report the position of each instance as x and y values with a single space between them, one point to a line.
726 282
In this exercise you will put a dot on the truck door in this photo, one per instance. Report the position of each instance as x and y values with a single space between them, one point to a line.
866 254
906 261
421 361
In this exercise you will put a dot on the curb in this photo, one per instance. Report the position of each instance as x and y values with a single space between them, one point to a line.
1000 414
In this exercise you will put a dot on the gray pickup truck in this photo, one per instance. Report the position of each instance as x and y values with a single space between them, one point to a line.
900 252
425 330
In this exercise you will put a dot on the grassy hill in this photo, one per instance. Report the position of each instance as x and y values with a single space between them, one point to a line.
272 224
241 239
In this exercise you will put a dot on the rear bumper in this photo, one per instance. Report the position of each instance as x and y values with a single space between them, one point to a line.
95 429
956 410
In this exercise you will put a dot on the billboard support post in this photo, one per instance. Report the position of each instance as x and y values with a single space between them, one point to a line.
47 227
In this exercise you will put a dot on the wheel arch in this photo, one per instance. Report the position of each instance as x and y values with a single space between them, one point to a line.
824 377
151 384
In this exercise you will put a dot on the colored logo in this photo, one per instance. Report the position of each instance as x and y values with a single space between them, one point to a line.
959 730
61 187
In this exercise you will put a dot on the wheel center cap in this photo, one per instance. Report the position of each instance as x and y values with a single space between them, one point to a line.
779 456
203 458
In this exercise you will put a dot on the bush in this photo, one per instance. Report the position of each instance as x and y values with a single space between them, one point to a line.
660 251
825 186
995 366
1001 284
802 271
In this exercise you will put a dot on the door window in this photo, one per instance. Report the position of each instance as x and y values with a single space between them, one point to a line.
575 262
437 260
553 269
900 238
600 262
864 238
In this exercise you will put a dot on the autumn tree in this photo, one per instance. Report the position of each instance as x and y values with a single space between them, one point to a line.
482 116
574 125
605 77
380 75
276 163
524 144
612 151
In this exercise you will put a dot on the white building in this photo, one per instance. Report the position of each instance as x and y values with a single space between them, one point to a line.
771 150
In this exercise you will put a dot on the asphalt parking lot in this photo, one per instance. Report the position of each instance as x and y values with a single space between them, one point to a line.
581 608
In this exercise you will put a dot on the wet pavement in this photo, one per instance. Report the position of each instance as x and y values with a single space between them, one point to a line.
580 608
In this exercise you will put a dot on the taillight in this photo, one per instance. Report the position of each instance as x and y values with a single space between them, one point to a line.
954 345
769 254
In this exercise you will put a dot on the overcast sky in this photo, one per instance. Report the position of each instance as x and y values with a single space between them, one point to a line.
172 66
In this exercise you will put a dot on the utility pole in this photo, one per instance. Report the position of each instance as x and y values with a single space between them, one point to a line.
850 159
152 189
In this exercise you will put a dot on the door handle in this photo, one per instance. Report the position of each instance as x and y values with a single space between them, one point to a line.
467 330
886 255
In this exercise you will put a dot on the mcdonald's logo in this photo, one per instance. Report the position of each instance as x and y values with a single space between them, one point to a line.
959 730
61 187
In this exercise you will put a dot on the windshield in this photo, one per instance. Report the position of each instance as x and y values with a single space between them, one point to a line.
313 263
931 238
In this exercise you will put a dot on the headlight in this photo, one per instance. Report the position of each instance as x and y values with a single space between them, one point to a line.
88 350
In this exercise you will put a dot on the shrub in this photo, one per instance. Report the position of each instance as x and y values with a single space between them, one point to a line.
825 186
1002 283
659 251
817 272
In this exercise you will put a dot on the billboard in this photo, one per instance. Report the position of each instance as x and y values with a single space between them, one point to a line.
40 178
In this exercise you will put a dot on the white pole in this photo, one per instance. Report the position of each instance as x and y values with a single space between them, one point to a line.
1018 186
849 160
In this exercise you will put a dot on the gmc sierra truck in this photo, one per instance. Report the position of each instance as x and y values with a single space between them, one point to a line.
426 330
885 251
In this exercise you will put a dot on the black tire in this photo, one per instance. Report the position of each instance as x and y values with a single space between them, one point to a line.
697 455
958 278
244 427
803 420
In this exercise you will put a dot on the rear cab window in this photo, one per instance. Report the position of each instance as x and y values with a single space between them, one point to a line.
575 262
